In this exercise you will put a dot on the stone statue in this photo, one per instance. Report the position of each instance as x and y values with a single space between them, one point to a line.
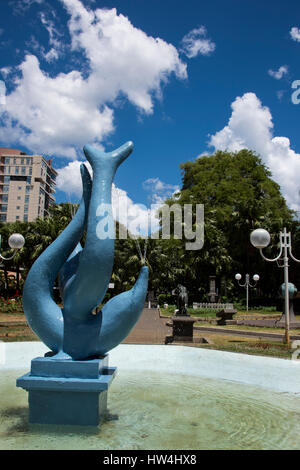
182 299
292 294
74 333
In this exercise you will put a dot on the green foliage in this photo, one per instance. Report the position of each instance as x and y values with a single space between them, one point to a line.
38 236
166 299
261 309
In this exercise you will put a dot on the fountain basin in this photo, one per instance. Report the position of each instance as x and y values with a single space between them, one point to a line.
168 397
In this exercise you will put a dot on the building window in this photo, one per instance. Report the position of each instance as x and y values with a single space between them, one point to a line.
2 217
19 198
17 170
18 208
23 171
22 161
26 218
5 198
30 170
26 199
17 217
6 160
5 189
3 207
6 179
26 208
28 179
27 161
27 189
15 161
19 187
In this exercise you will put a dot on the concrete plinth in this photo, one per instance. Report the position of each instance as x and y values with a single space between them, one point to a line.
224 316
183 328
63 391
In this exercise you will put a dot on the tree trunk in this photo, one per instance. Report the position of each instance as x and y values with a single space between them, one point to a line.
6 280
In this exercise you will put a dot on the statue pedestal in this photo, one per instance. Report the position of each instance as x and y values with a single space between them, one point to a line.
64 391
225 316
183 328
293 322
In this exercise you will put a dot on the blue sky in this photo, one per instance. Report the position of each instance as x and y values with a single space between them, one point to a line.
179 79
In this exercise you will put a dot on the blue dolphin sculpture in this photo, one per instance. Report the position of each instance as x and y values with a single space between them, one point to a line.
75 331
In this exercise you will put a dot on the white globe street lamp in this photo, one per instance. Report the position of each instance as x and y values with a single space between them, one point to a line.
260 239
16 242
247 284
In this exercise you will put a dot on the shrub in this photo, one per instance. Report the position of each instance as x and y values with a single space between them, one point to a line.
11 304
166 299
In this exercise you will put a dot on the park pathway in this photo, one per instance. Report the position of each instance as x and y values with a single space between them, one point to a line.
150 329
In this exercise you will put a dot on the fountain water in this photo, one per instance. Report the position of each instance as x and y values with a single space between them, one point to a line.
231 401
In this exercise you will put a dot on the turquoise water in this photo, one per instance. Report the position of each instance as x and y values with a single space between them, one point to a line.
163 411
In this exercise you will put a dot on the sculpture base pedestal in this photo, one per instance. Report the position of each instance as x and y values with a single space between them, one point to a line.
183 328
224 316
63 391
293 322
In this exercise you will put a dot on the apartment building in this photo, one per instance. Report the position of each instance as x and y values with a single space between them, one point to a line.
27 185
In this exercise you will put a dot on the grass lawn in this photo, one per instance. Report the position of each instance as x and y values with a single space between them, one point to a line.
17 333
211 313
245 345
13 327
197 312
249 328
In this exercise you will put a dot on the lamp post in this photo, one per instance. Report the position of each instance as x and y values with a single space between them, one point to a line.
260 238
247 284
16 242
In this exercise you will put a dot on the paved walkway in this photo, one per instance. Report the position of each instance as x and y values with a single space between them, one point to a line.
150 329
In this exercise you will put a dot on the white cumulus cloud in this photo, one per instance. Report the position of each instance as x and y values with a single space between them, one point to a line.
136 217
278 74
251 126
54 41
58 115
295 34
196 42
158 190
57 112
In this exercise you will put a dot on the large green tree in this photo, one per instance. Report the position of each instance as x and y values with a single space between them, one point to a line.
239 195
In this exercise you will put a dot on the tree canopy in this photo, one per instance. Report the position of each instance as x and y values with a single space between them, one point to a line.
239 196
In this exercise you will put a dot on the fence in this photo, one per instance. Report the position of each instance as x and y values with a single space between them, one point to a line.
212 305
